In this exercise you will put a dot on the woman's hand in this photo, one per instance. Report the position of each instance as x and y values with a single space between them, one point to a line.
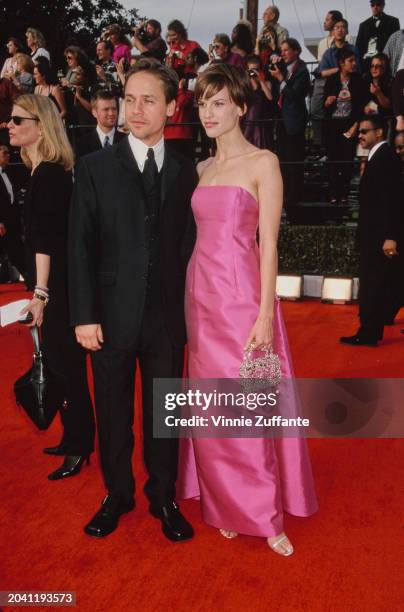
374 88
329 101
261 334
36 308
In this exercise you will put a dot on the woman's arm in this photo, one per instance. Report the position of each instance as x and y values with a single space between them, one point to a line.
60 99
37 305
81 99
267 89
270 198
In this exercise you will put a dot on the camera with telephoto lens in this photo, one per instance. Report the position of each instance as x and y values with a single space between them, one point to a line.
253 74
141 33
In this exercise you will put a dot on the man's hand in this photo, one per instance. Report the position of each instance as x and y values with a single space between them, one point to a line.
276 73
90 336
390 248
3 229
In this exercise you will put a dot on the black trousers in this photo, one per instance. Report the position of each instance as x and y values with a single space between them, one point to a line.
339 148
380 288
67 360
291 148
114 379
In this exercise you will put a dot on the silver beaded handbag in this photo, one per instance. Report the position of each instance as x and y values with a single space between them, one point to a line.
260 372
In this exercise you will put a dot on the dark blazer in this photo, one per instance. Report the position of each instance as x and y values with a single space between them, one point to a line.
357 88
90 142
381 200
10 214
5 202
108 244
367 29
293 100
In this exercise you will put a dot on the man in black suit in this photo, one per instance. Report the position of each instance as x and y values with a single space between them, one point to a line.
294 85
104 107
129 245
374 32
380 232
10 221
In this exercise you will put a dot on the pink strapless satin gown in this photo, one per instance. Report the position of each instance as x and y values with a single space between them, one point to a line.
244 485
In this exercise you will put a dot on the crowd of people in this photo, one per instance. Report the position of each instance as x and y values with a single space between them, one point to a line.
350 80
112 253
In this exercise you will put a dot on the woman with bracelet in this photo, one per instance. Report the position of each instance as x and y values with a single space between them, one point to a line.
37 128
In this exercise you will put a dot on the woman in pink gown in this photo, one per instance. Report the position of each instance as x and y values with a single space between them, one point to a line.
244 485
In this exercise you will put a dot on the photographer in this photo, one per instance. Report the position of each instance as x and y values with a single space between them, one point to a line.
220 52
262 106
147 39
180 45
293 86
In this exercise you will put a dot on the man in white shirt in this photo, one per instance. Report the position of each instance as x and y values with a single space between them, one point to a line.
104 107
129 246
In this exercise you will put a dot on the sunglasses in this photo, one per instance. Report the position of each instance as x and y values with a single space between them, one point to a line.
17 120
376 65
366 130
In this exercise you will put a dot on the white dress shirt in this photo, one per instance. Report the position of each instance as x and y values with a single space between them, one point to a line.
7 183
102 135
139 150
374 149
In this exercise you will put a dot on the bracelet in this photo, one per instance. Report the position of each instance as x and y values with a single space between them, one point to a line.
40 292
41 297
45 289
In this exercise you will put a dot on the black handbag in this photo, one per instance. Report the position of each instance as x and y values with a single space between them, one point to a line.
38 391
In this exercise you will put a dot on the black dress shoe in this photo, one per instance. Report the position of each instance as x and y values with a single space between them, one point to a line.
71 465
106 520
174 525
357 340
60 449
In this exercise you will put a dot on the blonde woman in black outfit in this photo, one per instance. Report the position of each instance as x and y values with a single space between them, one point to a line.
37 128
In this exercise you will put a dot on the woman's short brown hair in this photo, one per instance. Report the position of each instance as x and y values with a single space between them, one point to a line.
217 77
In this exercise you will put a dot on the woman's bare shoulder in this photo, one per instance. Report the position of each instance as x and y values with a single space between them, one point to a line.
265 158
202 165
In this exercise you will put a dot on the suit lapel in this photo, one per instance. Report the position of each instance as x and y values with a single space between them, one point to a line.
170 170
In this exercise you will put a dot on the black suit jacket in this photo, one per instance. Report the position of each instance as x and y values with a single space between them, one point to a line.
9 213
367 29
90 142
293 96
381 199
108 244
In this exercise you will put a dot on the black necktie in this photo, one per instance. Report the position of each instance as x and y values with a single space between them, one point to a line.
151 183
106 142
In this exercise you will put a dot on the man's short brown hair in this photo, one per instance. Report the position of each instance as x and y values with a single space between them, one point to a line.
217 77
166 75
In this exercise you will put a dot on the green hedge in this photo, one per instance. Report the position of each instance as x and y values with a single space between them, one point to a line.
318 250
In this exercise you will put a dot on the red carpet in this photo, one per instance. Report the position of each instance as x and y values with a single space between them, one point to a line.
348 557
